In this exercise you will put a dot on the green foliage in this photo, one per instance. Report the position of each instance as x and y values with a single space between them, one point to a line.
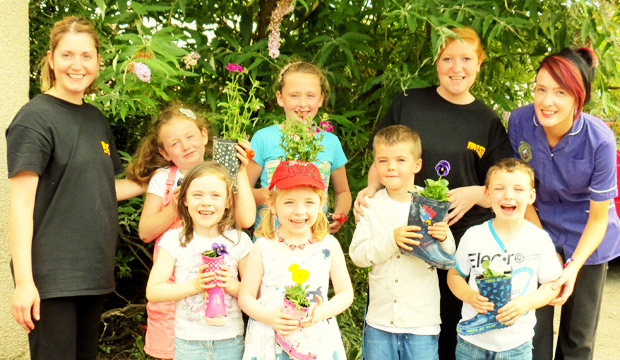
370 51
301 139
435 189
297 295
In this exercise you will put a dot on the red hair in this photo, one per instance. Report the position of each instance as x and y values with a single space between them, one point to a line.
574 72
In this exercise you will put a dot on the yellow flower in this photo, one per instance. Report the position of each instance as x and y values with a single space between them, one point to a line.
299 275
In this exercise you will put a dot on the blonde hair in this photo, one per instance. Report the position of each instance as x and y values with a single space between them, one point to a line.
306 68
396 134
70 24
468 35
147 158
266 228
228 220
511 165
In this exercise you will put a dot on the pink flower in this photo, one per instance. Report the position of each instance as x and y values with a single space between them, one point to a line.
282 9
234 67
142 71
326 126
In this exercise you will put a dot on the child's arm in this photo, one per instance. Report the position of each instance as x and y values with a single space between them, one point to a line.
461 290
343 290
126 189
245 207
158 289
260 194
248 292
512 311
342 196
441 232
368 248
154 222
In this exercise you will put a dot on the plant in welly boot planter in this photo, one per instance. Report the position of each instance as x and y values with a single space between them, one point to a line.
296 303
215 309
236 116
495 283
428 206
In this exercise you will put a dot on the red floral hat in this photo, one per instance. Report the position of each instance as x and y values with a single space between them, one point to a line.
294 173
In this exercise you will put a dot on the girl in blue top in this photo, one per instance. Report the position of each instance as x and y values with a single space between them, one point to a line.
300 90
574 157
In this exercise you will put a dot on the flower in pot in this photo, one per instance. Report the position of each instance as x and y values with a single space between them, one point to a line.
215 307
428 206
296 303
238 112
301 138
495 283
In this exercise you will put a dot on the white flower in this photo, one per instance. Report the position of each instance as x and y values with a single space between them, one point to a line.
498 266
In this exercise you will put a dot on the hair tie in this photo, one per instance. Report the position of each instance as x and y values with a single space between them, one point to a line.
187 112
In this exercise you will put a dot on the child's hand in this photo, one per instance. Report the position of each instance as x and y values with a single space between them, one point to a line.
316 316
336 222
403 236
223 277
512 311
284 323
439 230
480 303
202 280
244 153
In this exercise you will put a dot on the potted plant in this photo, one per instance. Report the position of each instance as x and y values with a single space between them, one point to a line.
428 206
215 307
237 114
296 303
495 283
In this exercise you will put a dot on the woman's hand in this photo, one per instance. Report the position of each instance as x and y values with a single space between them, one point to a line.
566 282
360 201
26 305
463 199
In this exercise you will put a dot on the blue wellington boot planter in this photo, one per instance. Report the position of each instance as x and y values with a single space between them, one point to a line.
497 290
423 213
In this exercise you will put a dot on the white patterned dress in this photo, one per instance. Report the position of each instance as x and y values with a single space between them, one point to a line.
323 338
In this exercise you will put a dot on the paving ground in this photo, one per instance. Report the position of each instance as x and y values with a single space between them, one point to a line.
608 335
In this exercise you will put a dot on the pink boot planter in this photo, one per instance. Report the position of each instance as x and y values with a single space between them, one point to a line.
215 309
297 304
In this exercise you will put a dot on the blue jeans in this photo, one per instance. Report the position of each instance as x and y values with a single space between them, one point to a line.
381 345
469 351
227 349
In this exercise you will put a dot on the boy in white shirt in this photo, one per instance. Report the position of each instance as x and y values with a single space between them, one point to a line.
506 328
402 321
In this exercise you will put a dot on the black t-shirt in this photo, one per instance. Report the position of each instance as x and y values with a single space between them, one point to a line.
75 230
471 137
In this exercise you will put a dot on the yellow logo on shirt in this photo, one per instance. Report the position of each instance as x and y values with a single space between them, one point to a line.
477 148
106 147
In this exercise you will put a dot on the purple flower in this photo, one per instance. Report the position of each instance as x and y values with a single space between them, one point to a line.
234 67
220 249
326 126
142 71
442 168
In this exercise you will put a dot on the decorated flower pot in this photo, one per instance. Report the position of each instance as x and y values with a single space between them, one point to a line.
224 153
498 291
215 310
423 213
293 344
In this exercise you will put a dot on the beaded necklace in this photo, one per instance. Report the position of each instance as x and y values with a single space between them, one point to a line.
294 246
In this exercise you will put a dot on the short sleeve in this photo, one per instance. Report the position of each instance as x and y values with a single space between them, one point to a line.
463 265
245 244
170 242
258 145
157 184
27 150
603 184
338 156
